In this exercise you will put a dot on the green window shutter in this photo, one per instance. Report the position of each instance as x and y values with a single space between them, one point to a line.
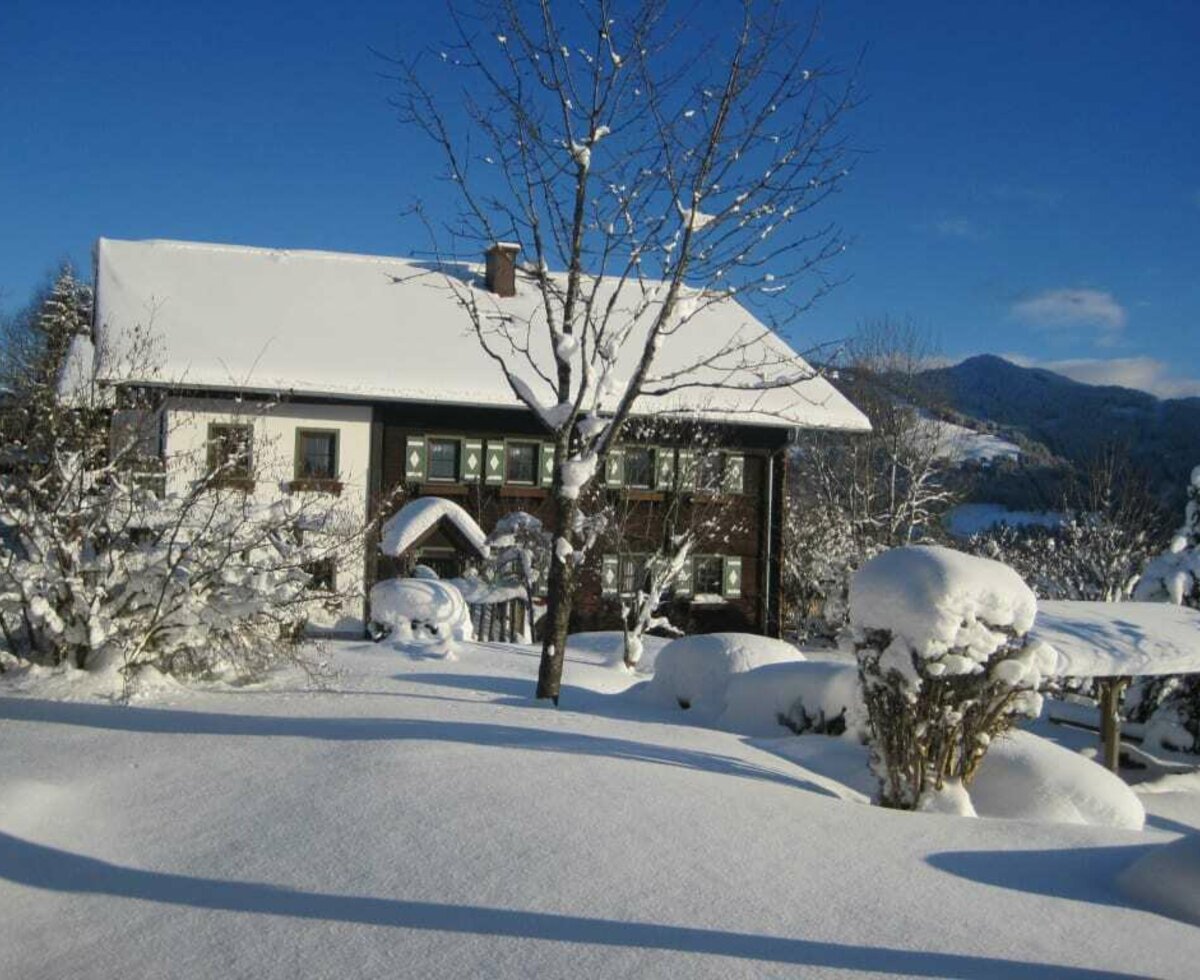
609 575
470 460
664 468
732 582
494 462
546 470
614 468
683 583
687 469
734 473
414 458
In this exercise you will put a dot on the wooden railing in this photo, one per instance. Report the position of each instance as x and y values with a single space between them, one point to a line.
499 622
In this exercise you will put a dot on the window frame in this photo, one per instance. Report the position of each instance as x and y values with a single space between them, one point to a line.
314 583
697 562
216 445
631 452
633 567
535 461
300 458
430 442
705 460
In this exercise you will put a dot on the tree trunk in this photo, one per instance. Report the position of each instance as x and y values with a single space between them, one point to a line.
561 588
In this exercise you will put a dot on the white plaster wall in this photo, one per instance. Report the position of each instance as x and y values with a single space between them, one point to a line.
185 448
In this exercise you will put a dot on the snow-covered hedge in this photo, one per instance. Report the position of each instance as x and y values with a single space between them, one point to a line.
421 610
945 666
694 672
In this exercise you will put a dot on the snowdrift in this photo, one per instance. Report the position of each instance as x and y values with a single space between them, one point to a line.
1026 777
1168 879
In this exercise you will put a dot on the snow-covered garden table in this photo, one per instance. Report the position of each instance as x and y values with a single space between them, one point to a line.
1113 642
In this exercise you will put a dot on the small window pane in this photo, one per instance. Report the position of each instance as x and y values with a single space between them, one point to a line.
639 467
318 455
711 473
522 462
443 459
322 575
231 450
709 574
633 574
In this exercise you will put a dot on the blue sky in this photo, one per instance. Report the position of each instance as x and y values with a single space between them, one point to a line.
1030 181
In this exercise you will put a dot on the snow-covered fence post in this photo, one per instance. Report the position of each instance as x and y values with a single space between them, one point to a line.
945 668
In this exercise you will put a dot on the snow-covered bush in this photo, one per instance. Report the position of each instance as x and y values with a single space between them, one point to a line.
1171 705
945 666
421 610
694 672
802 696
106 561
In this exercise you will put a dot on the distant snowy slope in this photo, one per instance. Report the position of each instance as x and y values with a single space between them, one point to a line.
964 520
958 444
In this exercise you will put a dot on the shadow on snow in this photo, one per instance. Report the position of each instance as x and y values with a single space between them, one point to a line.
49 868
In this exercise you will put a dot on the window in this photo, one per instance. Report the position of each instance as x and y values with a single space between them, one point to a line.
708 575
521 462
639 467
316 455
443 459
710 474
322 575
633 573
231 450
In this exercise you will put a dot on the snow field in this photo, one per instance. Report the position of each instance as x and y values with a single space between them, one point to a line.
429 819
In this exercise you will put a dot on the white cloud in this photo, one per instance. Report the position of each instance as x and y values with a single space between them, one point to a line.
962 228
1143 373
1065 308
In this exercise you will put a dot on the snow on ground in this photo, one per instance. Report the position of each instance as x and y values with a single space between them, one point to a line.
964 520
428 818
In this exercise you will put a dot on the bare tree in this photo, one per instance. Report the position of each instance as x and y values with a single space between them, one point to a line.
658 178
858 494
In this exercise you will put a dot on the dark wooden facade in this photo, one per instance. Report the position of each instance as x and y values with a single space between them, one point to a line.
756 511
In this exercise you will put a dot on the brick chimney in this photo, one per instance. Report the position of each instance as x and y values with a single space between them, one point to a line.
501 271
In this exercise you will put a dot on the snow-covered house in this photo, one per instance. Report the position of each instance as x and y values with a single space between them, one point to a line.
360 375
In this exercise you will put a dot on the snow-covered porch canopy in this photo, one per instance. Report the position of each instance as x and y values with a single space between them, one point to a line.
1120 639
374 328
420 519
1112 642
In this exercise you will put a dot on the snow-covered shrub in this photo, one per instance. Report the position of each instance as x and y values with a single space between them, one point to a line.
694 672
421 610
1026 777
1171 705
802 696
112 556
945 666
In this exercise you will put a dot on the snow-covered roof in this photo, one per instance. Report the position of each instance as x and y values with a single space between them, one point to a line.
357 326
1120 639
